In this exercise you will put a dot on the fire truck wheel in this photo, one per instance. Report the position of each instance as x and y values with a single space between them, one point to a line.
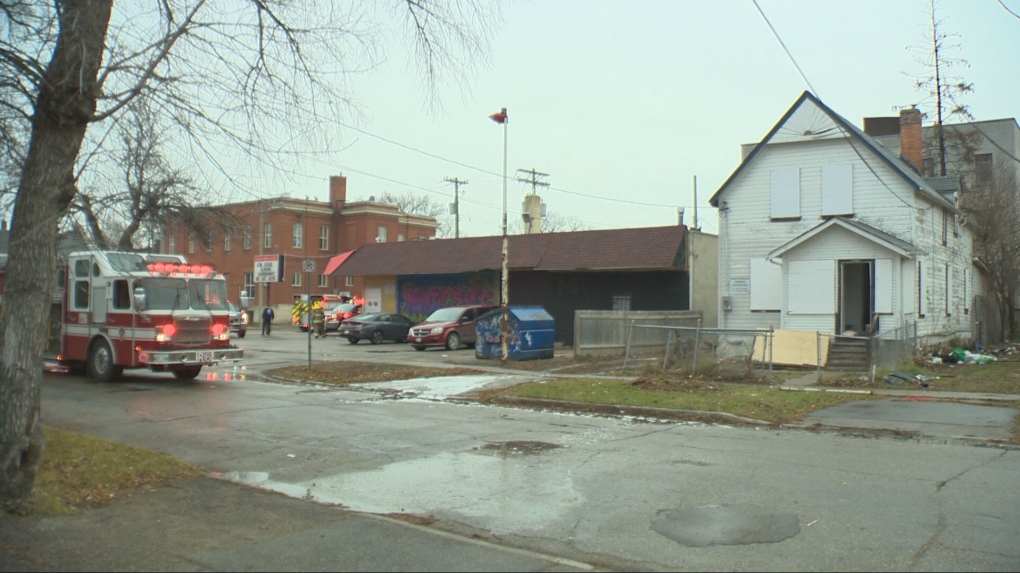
100 365
187 372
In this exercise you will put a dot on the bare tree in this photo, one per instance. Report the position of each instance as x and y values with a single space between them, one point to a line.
552 222
994 215
940 83
239 79
417 204
152 192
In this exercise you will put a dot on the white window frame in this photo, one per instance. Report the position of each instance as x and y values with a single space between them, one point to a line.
298 239
381 234
295 278
247 237
785 193
191 243
228 236
323 238
171 244
323 281
349 281
267 235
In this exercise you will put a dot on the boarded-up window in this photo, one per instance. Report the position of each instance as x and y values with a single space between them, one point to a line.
786 193
922 290
966 291
837 189
949 290
907 285
812 287
766 285
883 286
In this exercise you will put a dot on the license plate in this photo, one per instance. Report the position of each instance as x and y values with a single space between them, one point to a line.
204 356
417 339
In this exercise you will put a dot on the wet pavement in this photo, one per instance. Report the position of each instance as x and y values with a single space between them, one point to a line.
574 490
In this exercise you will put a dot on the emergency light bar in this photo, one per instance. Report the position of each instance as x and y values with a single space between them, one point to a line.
174 268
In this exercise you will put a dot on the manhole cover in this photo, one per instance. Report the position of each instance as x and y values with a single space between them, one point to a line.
518 447
736 524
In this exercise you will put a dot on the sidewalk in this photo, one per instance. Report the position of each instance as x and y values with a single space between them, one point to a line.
205 524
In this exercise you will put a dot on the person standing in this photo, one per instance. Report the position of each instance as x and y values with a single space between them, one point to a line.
319 321
267 320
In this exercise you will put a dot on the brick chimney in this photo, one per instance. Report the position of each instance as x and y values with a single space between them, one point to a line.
337 191
910 137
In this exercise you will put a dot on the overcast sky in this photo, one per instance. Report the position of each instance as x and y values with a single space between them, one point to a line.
623 104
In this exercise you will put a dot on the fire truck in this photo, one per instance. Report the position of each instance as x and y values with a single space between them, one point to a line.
117 310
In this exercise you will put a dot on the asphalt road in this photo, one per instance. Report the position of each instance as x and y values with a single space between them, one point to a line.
616 493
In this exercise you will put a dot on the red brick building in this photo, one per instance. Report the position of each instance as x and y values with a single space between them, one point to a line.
300 230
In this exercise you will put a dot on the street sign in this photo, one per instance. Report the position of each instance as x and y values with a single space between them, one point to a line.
308 266
268 268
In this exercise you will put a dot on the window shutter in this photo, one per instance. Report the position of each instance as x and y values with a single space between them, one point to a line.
766 285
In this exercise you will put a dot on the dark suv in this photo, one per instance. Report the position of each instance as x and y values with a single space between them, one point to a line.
449 327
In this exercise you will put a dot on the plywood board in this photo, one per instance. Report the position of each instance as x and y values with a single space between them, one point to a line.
793 348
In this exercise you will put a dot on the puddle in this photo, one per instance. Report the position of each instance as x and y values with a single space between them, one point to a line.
434 388
509 494
518 448
727 524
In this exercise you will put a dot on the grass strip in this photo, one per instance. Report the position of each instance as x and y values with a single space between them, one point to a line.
759 402
79 471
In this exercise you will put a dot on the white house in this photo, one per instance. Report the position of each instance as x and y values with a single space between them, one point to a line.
823 229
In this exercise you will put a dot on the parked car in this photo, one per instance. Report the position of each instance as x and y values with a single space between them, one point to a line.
450 327
340 313
238 320
376 328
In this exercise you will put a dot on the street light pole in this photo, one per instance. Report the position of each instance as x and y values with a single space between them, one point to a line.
501 117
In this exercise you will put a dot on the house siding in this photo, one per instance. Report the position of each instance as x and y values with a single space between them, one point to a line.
883 198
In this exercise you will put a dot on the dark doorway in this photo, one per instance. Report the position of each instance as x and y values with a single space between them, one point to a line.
856 295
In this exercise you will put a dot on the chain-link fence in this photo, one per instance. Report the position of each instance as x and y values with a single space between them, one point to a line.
714 352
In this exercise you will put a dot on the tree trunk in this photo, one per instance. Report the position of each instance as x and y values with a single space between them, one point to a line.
66 103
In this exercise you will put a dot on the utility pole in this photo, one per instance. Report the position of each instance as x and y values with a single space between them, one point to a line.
456 204
532 211
535 183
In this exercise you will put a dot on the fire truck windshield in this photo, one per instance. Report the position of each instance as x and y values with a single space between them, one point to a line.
183 294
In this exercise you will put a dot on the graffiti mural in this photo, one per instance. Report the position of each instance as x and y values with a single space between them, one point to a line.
418 297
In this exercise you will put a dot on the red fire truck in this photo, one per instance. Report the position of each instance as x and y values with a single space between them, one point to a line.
117 310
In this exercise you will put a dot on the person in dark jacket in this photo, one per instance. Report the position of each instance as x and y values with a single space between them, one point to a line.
267 320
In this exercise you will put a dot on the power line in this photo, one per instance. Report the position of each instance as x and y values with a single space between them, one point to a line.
780 40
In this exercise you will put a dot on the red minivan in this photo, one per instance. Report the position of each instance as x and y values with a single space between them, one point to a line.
450 327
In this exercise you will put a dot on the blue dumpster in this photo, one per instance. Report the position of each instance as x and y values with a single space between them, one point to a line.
529 334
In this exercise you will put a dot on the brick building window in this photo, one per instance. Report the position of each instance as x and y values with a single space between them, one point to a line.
323 238
299 236
267 235
209 238
295 279
227 236
171 245
349 281
247 237
191 244
380 237
323 281
249 284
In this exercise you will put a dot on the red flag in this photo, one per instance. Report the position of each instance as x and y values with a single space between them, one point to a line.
499 117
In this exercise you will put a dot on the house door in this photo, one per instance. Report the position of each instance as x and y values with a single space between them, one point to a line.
856 295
